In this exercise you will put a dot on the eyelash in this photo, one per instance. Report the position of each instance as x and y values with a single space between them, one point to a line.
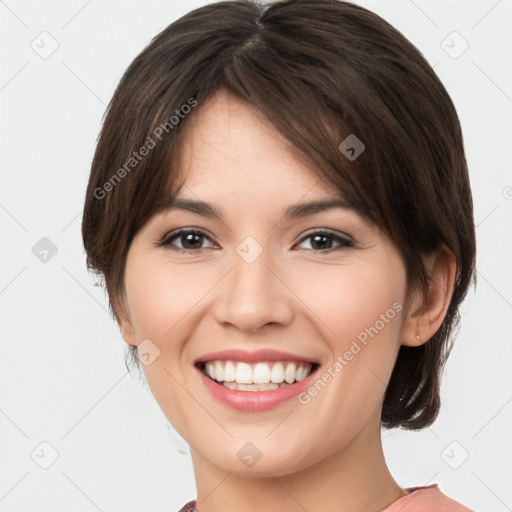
166 241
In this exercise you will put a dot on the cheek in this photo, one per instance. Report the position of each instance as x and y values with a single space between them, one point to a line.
161 300
160 297
358 308
347 300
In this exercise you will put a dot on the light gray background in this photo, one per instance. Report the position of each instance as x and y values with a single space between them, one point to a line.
62 374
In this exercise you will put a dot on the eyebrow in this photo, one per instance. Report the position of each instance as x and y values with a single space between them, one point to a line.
295 211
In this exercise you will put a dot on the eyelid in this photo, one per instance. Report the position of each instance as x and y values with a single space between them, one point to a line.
326 231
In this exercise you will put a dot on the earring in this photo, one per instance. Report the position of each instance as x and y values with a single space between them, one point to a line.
417 337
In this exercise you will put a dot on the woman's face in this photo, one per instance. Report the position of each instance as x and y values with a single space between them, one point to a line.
324 287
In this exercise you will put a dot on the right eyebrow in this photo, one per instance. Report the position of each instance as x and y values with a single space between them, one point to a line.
191 205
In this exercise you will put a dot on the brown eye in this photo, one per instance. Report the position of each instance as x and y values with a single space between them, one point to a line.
322 241
189 240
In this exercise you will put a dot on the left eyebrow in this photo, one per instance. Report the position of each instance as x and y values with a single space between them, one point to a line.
295 211
304 209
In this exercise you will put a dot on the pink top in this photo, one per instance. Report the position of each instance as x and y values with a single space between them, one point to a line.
426 499
418 499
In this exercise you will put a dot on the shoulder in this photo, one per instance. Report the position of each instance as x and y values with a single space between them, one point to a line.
189 507
426 499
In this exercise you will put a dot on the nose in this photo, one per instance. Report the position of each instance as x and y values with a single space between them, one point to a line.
254 294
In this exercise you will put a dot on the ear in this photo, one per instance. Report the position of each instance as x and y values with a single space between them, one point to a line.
426 316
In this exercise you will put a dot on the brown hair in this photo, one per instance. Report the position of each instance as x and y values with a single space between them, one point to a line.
319 70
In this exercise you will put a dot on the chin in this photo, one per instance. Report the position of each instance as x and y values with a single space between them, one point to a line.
262 465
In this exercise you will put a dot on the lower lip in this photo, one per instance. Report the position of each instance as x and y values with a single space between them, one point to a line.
254 401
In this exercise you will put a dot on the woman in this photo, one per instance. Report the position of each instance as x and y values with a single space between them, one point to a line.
280 207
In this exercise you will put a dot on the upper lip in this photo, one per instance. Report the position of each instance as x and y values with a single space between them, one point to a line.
253 356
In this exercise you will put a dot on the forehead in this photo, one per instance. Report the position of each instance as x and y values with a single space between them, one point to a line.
234 164
229 146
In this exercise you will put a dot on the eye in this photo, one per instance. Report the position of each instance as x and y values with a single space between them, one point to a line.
191 240
322 241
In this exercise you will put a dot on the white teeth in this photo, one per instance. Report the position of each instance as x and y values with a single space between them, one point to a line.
247 377
218 371
243 373
277 374
229 372
301 373
250 387
253 387
261 374
289 374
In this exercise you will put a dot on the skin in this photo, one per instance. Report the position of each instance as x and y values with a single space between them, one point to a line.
325 455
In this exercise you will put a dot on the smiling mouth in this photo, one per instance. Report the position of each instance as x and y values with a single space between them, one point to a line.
261 376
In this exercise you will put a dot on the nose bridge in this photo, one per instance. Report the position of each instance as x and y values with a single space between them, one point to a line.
250 272
253 295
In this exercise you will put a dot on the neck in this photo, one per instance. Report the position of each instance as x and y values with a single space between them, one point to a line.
351 479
